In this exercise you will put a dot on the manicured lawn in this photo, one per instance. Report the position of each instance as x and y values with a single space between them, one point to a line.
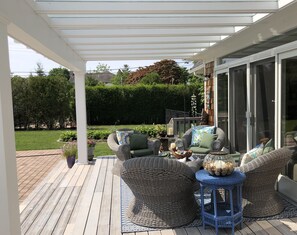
37 140
47 139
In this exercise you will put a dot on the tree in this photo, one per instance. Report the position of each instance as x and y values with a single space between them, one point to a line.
152 78
121 76
60 72
91 81
102 68
39 70
168 70
21 104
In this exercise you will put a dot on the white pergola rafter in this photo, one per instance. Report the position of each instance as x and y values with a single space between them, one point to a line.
153 7
151 23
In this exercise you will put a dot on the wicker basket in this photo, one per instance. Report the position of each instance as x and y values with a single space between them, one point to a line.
181 154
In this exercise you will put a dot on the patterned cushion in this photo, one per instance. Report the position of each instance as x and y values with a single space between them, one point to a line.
198 131
268 147
252 154
123 136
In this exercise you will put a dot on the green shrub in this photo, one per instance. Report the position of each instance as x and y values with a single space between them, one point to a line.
68 136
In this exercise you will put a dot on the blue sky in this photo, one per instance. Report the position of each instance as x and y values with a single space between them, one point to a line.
23 61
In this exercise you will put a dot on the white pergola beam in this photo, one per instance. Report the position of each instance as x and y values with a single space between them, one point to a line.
137 57
124 23
98 48
140 52
197 31
33 31
138 40
159 7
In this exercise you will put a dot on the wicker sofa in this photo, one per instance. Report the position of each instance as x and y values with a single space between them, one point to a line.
260 199
163 190
123 152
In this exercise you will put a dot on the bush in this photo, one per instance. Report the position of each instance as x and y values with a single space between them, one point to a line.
68 136
137 104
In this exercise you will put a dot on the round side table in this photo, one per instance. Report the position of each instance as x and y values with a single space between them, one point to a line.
226 213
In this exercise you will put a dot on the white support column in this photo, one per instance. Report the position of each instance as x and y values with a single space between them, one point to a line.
81 117
9 200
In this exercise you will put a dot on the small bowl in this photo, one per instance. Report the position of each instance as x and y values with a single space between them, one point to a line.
181 154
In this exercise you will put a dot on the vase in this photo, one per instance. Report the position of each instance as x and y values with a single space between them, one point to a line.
219 163
91 153
70 161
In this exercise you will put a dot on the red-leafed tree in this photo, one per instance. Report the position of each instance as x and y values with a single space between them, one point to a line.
169 71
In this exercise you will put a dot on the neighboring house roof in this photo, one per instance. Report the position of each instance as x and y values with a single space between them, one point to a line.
104 77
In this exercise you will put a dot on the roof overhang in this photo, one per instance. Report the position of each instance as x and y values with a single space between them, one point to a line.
72 32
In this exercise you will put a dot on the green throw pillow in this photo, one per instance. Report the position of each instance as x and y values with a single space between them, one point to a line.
206 140
138 141
268 147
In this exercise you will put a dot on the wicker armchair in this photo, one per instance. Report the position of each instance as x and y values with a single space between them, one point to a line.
163 190
123 152
217 145
259 196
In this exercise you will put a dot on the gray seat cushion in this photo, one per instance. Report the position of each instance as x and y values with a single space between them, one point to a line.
199 150
141 152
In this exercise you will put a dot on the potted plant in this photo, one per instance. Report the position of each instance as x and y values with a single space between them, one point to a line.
91 148
69 151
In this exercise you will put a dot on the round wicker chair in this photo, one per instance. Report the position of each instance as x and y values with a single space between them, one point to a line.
260 199
163 190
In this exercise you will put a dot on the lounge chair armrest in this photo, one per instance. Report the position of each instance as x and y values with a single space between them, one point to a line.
154 144
123 152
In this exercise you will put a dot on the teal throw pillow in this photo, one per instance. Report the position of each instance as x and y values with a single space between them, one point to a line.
252 154
268 147
123 136
198 131
206 140
138 141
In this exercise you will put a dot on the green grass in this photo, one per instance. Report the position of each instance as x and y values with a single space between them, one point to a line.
37 140
47 139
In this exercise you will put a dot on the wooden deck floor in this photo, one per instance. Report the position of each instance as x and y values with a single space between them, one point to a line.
86 200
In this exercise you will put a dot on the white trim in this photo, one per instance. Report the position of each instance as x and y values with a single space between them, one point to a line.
9 201
248 108
81 117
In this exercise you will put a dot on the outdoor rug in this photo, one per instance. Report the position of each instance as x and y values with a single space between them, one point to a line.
127 226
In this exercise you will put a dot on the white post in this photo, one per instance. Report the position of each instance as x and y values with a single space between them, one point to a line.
9 200
81 117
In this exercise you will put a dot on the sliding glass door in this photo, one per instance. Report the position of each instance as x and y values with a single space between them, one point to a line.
263 100
238 108
222 88
289 101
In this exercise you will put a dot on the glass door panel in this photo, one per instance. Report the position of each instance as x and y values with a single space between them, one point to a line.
263 100
238 96
223 102
289 101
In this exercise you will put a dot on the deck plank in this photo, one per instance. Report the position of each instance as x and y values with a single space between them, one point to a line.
52 221
85 204
53 173
115 227
92 222
66 222
256 228
86 200
35 206
52 202
104 220
285 226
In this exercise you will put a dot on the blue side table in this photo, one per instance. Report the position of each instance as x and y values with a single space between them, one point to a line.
228 212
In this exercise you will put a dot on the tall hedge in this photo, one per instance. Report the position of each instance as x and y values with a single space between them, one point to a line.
137 104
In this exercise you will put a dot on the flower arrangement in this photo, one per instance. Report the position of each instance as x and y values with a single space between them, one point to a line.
91 143
69 149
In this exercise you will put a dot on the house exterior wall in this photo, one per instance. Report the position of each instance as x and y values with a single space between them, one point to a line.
209 92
